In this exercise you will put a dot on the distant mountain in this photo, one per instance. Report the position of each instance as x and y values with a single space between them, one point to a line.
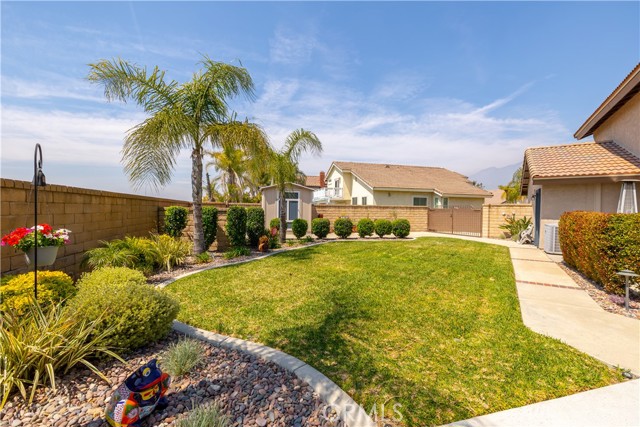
493 177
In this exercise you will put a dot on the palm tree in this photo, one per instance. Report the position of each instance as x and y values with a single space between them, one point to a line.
511 191
283 167
180 116
230 163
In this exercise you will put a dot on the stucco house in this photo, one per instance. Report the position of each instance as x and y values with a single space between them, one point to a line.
297 200
601 175
355 183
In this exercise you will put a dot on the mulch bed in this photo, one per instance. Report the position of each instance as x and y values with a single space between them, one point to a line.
603 298
251 391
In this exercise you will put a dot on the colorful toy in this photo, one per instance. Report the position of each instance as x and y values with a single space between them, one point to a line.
141 393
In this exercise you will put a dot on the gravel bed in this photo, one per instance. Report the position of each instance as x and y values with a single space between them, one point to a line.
251 391
601 297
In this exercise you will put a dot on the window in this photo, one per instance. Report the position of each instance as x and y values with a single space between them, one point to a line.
364 201
336 183
445 202
292 202
354 200
420 201
436 202
288 195
628 202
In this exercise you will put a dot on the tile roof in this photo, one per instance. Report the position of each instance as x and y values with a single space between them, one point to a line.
403 177
312 181
581 160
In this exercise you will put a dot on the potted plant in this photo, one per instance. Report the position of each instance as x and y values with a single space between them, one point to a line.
41 236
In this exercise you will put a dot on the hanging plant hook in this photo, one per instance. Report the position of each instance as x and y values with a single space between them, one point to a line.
38 181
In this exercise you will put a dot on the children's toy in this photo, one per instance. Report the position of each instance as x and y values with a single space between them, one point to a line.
141 393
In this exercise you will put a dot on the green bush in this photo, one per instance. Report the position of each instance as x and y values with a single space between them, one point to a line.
203 258
237 252
53 286
169 251
209 225
205 416
599 245
122 303
401 228
175 220
130 252
320 227
40 342
275 223
343 227
365 227
299 227
255 225
382 227
181 357
515 226
237 225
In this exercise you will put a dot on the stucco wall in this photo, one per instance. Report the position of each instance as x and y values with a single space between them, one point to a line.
464 202
345 183
623 127
360 190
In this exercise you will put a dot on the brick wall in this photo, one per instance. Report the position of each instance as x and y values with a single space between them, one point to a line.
493 216
91 215
418 216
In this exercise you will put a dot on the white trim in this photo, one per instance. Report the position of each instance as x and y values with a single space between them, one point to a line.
628 188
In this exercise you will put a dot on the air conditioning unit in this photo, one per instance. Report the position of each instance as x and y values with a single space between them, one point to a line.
552 239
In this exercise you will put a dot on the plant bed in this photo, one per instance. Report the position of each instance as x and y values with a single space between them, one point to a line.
248 390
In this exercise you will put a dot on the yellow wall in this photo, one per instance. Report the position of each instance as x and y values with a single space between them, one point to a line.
623 127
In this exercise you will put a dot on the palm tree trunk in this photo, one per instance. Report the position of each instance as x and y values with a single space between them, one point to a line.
283 218
196 194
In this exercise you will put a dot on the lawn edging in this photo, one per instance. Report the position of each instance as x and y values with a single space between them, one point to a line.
347 409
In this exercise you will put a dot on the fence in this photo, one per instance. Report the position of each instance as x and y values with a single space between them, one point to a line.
493 216
418 216
462 221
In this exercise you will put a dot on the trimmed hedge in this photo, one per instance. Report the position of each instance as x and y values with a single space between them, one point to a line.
119 298
365 227
209 225
175 220
382 227
299 227
237 226
53 286
599 245
255 225
320 227
343 227
401 228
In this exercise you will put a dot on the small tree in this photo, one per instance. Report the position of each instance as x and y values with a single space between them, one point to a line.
299 227
210 225
382 227
175 220
320 227
511 191
255 225
237 226
343 227
365 227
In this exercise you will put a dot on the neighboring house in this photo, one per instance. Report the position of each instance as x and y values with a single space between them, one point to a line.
597 176
315 181
396 185
496 198
298 203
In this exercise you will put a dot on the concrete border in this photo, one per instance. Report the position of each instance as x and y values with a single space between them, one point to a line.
348 410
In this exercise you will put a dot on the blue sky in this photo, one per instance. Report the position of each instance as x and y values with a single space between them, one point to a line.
463 85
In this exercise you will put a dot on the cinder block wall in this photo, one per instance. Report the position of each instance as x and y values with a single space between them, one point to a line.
91 215
418 216
493 216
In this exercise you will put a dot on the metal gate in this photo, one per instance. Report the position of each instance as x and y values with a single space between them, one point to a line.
464 221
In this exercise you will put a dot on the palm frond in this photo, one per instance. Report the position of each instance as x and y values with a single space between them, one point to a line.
301 141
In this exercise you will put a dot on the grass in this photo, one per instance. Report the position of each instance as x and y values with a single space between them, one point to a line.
182 357
432 324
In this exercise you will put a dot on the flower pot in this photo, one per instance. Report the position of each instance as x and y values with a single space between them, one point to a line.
46 255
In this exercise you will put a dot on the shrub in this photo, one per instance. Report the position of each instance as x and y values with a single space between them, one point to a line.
175 220
299 227
320 227
209 225
237 225
365 227
515 226
119 300
382 227
343 227
237 252
42 342
599 245
53 286
169 251
275 223
182 357
131 252
401 228
203 258
204 416
255 225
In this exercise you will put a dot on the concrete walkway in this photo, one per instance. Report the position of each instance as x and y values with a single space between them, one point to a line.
553 304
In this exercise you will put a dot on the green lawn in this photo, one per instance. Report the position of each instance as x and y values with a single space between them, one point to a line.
433 324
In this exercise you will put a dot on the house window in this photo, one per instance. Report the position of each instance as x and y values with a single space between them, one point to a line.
445 202
628 202
292 201
436 202
354 200
336 183
420 201
364 201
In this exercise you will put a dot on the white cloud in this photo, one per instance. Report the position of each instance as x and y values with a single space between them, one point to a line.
56 87
287 47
